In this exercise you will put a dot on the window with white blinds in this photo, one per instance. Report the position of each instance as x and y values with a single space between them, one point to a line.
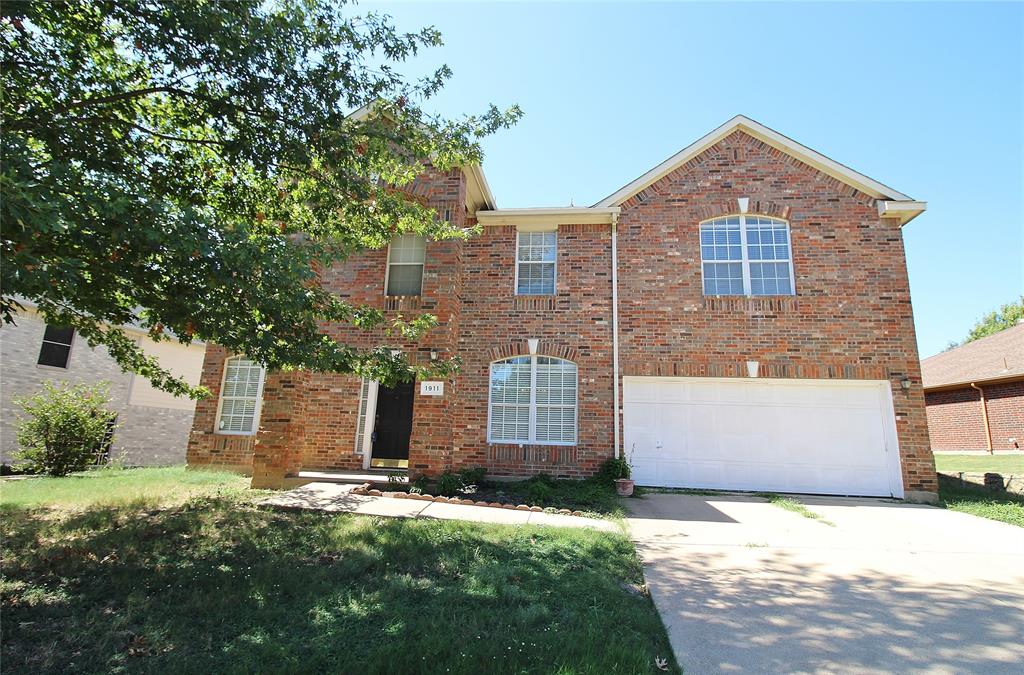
240 396
536 253
532 400
406 257
746 255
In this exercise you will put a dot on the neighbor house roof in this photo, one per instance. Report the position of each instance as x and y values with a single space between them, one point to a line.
996 357
891 204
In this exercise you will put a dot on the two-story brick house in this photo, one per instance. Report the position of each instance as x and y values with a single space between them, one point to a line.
739 317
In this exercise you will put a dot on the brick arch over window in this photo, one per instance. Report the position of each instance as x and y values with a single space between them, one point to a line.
522 348
755 207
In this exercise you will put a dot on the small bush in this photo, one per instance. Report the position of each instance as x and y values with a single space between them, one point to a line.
65 427
540 492
472 476
418 486
613 469
449 484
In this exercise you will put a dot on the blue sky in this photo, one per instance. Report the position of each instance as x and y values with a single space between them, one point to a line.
926 98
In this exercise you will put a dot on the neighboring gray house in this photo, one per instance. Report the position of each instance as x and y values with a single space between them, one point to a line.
153 426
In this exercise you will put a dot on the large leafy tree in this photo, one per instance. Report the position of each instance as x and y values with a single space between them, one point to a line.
1005 317
187 167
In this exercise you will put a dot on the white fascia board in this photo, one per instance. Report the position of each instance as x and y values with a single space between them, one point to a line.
904 210
575 215
478 191
773 138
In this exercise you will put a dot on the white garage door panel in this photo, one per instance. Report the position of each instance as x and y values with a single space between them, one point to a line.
816 436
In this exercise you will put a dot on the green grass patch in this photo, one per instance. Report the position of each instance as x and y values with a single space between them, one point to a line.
1004 464
115 487
790 504
1007 507
196 578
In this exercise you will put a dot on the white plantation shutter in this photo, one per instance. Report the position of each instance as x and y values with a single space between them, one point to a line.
533 400
364 394
240 396
536 253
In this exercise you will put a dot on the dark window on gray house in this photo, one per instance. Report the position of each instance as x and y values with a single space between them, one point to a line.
56 347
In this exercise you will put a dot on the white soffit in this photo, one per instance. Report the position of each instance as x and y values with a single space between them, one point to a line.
574 215
774 139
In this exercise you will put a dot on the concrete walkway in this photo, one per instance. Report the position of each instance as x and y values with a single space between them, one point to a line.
745 586
338 498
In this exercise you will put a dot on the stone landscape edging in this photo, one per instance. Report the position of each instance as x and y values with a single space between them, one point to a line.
365 489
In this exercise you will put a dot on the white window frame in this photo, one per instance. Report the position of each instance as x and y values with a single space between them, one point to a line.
257 411
745 256
532 425
515 280
423 270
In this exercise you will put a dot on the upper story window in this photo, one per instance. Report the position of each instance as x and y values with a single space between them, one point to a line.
535 263
532 400
406 257
240 396
746 255
56 348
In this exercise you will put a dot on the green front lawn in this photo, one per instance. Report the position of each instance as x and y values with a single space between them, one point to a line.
187 575
118 487
1007 507
1004 464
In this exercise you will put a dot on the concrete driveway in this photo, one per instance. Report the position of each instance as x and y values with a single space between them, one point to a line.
746 586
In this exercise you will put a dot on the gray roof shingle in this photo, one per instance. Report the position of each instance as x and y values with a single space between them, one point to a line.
990 358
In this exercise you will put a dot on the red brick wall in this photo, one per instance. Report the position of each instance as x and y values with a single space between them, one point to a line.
574 324
955 420
328 438
1005 413
850 318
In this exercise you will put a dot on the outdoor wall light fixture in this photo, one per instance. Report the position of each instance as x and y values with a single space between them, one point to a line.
905 383
433 356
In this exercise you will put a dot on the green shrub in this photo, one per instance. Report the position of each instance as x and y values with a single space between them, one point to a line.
613 469
472 476
540 491
65 427
419 485
449 484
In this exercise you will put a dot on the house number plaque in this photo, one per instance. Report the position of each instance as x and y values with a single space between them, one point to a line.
432 388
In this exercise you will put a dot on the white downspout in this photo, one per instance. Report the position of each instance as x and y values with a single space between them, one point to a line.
615 329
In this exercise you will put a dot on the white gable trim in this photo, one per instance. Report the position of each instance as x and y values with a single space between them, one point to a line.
772 138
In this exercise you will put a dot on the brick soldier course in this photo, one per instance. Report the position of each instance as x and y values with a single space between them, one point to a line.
850 318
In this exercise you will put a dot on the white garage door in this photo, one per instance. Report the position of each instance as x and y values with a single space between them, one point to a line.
814 436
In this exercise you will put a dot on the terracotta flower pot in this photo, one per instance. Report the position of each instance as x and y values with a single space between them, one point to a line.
624 486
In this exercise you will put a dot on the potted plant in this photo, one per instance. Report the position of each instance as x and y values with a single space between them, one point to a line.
620 471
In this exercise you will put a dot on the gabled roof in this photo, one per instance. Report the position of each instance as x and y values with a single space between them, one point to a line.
478 191
906 208
996 357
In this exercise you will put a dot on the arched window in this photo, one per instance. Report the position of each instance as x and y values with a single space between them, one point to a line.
240 396
746 255
532 400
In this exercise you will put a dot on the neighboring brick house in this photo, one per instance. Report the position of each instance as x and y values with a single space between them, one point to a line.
975 394
152 426
750 294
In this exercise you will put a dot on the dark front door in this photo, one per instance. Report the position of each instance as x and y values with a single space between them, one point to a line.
392 426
